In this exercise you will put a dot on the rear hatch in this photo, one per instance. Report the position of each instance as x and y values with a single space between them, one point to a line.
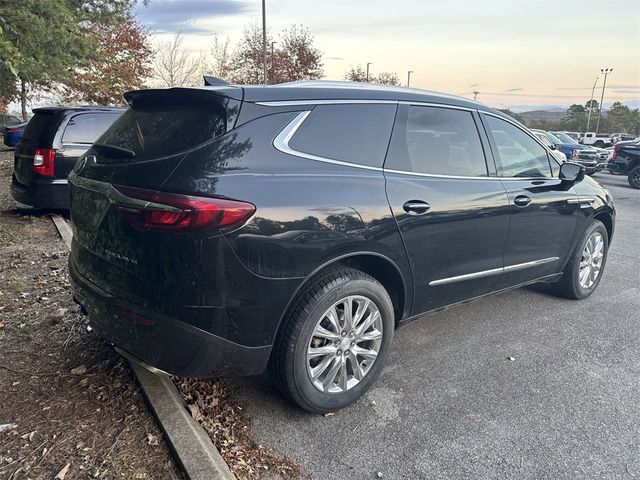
131 238
39 134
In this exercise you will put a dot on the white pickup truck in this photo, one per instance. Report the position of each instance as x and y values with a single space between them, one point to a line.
599 141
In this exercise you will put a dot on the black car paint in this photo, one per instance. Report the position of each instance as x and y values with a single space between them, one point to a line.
627 158
211 304
33 189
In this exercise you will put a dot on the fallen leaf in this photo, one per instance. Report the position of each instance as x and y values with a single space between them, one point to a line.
152 440
62 473
2 325
511 359
79 370
5 427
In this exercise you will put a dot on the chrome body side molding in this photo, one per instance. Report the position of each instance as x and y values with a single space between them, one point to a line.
493 271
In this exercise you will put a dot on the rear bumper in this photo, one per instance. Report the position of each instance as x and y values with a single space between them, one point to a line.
44 194
162 341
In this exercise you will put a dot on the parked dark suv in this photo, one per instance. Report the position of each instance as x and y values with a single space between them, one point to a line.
52 142
224 230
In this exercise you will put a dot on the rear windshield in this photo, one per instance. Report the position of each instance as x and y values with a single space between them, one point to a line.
41 127
86 127
157 126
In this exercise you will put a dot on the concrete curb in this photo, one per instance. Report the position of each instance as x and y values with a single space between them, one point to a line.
191 445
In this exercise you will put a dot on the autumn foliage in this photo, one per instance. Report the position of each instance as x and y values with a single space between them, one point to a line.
122 63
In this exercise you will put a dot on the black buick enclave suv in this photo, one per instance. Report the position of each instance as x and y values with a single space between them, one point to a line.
223 230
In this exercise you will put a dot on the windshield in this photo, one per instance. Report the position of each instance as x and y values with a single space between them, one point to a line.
565 138
552 138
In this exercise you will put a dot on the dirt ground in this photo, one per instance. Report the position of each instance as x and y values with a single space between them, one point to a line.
69 406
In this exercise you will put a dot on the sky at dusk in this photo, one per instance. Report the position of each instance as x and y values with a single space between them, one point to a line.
517 52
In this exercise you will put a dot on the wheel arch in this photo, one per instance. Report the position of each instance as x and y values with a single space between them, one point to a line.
606 217
379 266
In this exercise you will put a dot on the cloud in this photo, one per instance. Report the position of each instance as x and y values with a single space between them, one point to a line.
172 16
514 89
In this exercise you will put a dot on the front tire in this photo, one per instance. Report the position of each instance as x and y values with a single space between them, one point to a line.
583 272
334 341
634 177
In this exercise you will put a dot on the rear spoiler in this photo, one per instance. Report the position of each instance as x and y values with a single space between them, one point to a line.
210 81
223 90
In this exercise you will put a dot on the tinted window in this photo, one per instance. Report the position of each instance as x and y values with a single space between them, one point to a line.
158 126
543 138
87 127
351 133
518 154
41 127
439 141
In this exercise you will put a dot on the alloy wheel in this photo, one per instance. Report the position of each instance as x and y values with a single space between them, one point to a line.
591 262
344 344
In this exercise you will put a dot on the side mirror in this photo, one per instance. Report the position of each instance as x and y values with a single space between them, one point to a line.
553 147
571 172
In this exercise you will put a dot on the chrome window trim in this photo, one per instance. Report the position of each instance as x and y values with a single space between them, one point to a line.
281 143
493 271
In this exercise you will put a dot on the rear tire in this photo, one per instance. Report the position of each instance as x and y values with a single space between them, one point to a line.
634 177
317 340
583 272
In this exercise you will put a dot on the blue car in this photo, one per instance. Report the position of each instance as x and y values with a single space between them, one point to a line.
12 129
574 151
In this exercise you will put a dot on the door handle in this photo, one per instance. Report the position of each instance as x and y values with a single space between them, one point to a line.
416 207
521 201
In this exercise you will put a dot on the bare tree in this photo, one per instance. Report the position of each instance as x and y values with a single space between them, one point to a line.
220 64
358 74
295 57
300 59
173 65
388 78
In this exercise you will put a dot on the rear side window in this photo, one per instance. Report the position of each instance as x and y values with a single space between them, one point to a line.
41 128
519 155
87 127
437 141
355 133
160 125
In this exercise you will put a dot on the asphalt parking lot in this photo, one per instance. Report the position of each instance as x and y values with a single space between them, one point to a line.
450 403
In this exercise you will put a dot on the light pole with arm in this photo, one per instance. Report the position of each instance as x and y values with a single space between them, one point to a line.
605 72
591 102
264 43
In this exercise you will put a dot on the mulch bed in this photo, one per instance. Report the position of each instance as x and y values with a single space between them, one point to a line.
69 406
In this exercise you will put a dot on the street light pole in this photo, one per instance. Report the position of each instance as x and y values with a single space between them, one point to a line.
591 103
409 77
264 43
368 70
605 72
475 95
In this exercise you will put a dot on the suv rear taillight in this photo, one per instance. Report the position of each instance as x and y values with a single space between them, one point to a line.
174 212
616 149
43 161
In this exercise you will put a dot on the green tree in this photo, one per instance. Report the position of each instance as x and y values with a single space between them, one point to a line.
576 118
42 42
621 118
